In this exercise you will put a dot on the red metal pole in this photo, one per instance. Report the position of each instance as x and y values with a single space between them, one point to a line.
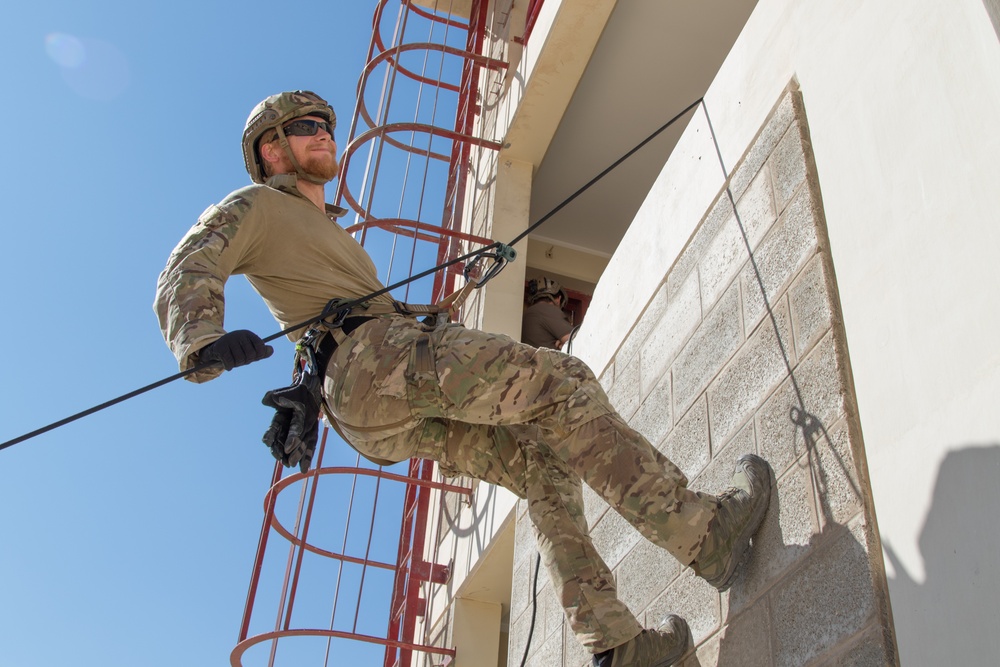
259 560
305 538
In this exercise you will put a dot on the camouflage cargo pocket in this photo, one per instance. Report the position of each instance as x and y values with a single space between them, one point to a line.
423 387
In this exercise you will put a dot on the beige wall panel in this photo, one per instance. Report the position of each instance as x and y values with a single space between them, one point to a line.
902 98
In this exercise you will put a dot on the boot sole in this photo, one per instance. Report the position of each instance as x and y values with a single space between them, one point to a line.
742 544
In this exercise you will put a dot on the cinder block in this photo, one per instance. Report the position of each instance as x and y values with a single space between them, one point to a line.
824 603
870 651
756 208
746 640
624 393
594 506
788 164
524 537
722 262
746 382
821 394
836 469
820 379
687 445
785 537
706 655
520 590
653 419
810 303
574 655
720 212
650 317
550 613
607 378
518 639
614 537
682 316
719 473
549 652
781 439
772 132
694 600
644 573
713 343
790 243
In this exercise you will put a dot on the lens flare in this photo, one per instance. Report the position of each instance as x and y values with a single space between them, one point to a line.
65 50
92 68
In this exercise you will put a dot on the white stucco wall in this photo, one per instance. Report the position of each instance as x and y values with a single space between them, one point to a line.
902 99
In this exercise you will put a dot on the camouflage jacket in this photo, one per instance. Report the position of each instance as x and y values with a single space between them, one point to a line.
294 255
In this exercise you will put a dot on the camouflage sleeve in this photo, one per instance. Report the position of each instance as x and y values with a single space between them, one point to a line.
190 301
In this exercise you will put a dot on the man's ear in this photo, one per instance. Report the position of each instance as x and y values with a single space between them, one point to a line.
271 152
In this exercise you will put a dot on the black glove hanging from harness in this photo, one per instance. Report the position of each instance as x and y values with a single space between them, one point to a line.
294 430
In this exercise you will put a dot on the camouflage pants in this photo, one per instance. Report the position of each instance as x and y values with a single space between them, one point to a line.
534 421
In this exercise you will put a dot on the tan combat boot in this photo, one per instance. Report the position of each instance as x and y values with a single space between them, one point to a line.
741 510
650 648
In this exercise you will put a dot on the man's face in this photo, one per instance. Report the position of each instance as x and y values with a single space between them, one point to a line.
317 154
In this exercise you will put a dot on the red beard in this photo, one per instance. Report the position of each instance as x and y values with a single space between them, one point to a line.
319 166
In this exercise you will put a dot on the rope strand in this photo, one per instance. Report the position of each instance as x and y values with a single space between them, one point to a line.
355 302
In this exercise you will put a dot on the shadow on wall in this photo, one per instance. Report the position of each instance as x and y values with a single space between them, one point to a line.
960 544
451 510
993 9
809 594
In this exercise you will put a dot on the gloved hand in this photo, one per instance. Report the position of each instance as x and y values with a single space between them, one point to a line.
294 429
236 348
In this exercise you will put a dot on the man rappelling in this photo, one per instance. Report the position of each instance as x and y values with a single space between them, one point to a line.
534 421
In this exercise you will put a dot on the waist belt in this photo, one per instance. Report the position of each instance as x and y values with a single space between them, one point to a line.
321 340
328 344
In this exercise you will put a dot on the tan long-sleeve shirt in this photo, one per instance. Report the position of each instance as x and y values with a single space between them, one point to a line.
293 254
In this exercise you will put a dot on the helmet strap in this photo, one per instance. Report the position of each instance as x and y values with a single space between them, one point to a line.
283 142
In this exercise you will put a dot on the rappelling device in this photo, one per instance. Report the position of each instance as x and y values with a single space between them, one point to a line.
501 254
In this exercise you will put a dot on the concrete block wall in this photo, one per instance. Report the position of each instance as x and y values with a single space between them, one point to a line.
742 350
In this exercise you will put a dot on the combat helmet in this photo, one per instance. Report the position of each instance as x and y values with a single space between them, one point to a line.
271 114
544 288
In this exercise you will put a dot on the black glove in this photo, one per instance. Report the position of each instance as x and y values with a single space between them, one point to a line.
236 348
294 430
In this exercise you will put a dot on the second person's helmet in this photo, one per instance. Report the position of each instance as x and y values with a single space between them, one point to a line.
544 288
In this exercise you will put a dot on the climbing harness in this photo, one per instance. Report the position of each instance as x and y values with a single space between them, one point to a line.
293 433
500 253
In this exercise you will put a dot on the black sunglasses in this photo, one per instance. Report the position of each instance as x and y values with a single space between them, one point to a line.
306 127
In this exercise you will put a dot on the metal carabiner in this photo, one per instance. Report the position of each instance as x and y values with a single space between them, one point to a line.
334 307
503 255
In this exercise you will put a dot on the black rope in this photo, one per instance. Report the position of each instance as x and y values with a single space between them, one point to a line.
203 366
812 426
604 173
534 608
350 304
753 262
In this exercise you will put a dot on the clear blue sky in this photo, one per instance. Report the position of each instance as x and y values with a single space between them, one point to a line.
127 538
